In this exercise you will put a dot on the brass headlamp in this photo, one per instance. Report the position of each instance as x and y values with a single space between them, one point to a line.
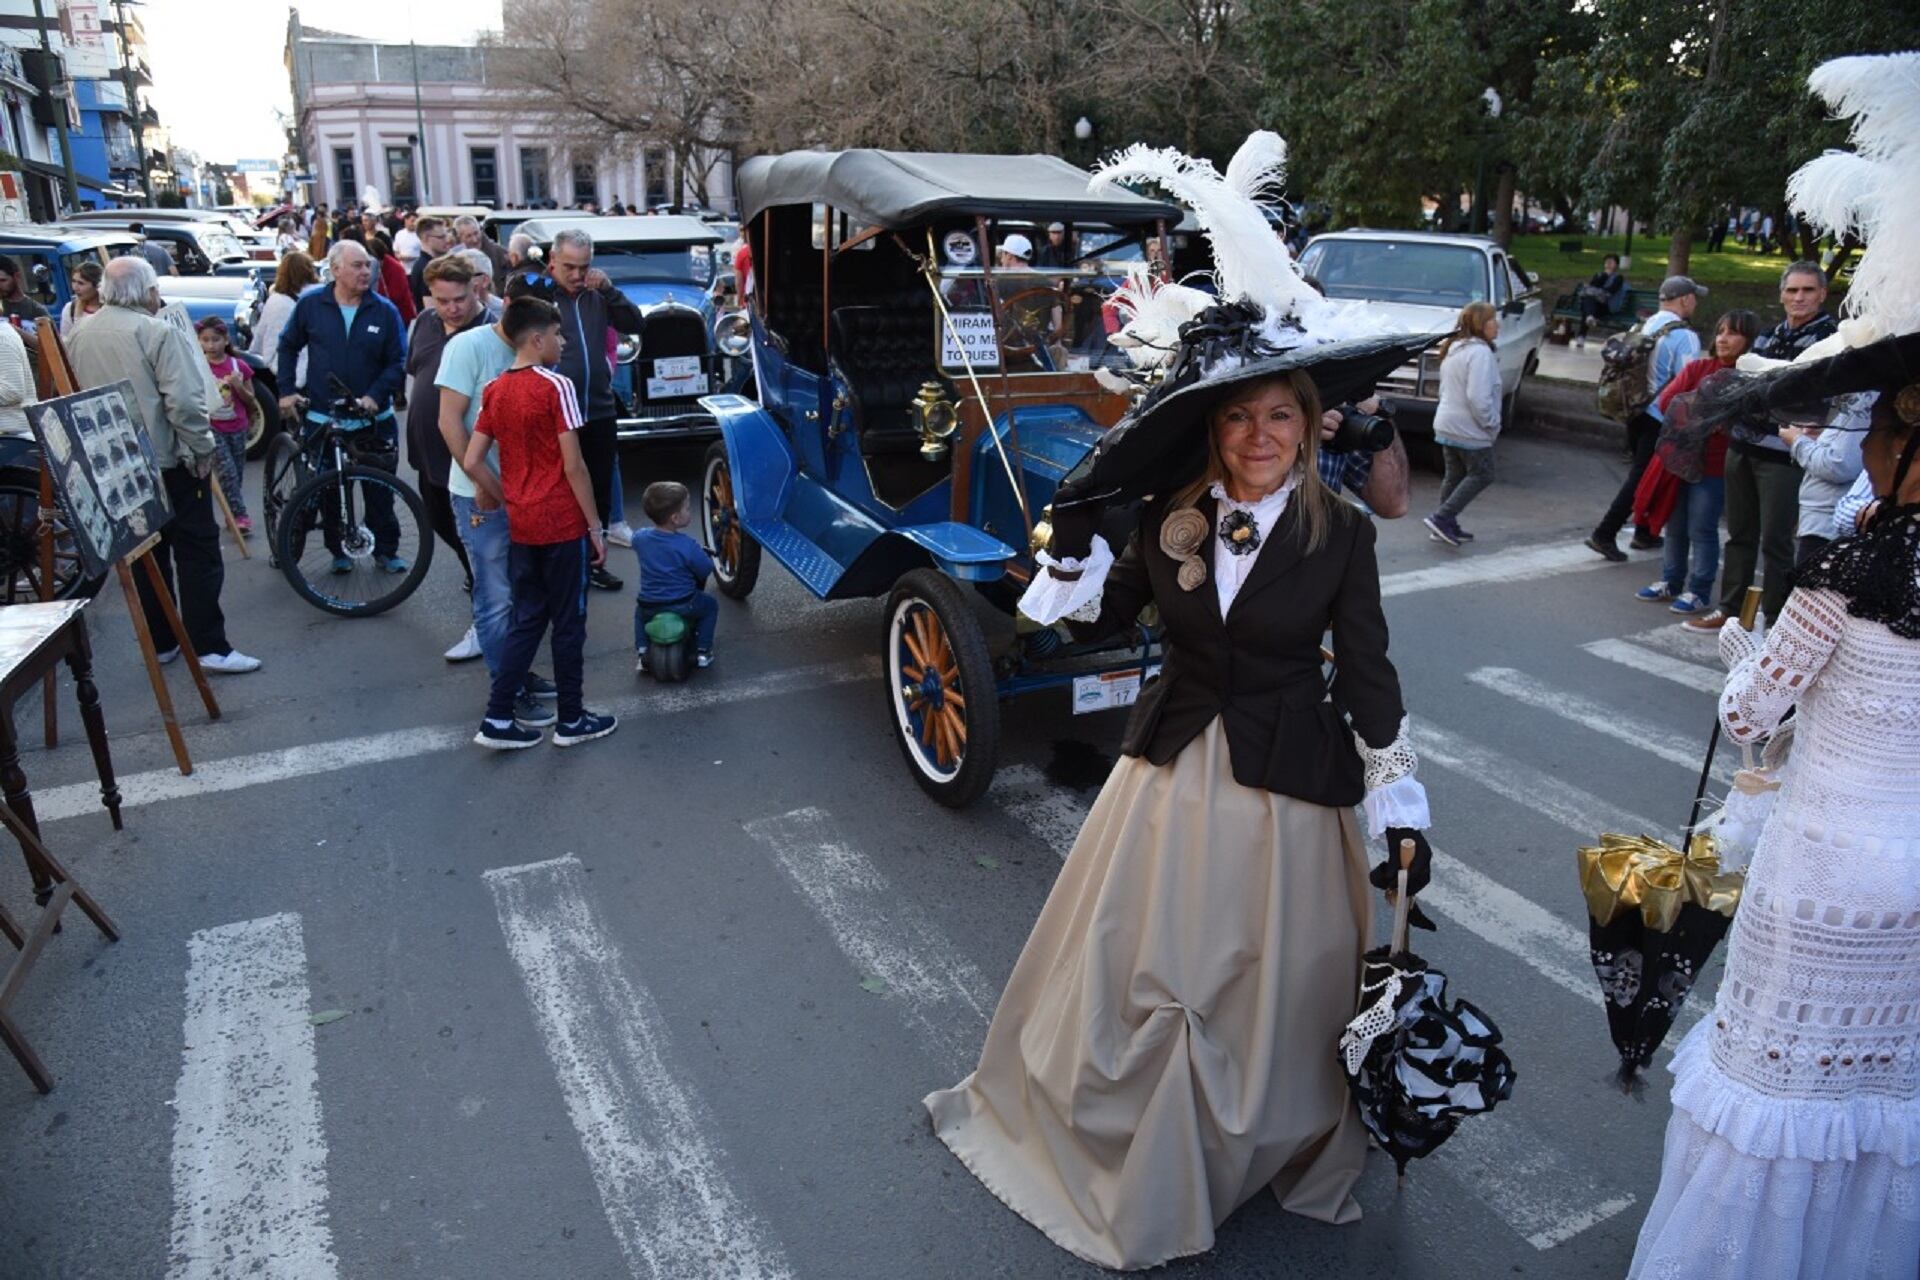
936 418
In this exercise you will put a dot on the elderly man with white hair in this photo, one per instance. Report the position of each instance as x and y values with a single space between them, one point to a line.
351 333
466 229
125 341
483 282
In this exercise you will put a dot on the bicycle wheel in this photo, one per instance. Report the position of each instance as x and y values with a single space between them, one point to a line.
328 535
20 550
284 471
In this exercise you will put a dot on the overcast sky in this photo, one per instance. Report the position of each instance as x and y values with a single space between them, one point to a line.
219 69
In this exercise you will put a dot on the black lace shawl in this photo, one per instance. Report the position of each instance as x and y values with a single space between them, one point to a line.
1877 571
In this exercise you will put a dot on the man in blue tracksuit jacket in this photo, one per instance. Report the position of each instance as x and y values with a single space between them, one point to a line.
351 333
589 306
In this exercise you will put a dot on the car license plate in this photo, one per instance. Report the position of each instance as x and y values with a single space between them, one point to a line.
676 368
1109 689
666 388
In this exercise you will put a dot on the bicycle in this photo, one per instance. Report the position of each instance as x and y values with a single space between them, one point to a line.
332 498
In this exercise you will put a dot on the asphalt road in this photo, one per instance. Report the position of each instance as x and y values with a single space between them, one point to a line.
664 1006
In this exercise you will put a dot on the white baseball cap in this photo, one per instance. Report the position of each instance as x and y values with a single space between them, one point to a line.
1019 246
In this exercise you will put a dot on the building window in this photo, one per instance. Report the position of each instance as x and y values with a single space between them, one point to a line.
533 175
656 164
343 176
400 176
484 163
585 189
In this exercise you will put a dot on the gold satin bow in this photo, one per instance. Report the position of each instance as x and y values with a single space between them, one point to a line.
1651 876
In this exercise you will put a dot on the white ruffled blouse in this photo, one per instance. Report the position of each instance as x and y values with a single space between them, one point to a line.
1394 796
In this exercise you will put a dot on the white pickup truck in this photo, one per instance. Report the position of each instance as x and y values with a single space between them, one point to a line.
1421 280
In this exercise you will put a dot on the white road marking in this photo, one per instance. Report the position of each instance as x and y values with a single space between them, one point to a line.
883 934
1607 721
1545 1196
1534 1181
1519 564
234 773
1709 680
1701 648
1581 812
644 1131
249 1154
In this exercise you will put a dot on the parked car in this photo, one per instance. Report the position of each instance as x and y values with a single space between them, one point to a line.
1421 280
49 252
256 244
664 265
500 225
918 408
201 246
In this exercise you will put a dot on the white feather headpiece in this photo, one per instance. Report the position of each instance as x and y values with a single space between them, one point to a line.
1250 260
1873 191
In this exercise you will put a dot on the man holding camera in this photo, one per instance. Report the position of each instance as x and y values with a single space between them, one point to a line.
1362 453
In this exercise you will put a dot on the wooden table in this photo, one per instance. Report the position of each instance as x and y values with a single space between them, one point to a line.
34 640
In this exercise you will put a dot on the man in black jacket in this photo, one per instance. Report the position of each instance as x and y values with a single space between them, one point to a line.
589 307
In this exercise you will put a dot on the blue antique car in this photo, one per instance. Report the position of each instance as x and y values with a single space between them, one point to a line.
918 405
665 267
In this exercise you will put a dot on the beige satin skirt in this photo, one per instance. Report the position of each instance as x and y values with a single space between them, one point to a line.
1166 1044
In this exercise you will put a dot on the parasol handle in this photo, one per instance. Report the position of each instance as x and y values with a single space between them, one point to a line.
1750 608
1401 900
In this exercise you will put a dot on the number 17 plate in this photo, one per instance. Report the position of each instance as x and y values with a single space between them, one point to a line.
1108 689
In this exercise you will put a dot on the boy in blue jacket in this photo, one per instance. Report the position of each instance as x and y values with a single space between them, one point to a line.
673 568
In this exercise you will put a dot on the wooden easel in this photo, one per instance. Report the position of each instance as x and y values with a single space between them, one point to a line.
56 378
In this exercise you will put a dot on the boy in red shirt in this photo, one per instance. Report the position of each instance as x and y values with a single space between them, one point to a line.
553 526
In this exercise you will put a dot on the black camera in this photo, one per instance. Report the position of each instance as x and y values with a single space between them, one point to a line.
1361 432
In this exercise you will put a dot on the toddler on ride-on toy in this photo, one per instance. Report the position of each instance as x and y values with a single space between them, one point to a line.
673 568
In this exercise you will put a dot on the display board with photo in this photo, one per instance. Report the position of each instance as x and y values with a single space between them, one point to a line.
105 475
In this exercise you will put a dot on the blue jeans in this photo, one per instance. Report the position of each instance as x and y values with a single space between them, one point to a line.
700 609
1695 525
485 536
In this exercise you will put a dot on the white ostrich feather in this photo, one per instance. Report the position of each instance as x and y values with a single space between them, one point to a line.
1874 191
1258 169
1249 259
1154 313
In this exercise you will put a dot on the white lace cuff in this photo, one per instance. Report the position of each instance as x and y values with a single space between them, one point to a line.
1048 599
1401 803
1384 764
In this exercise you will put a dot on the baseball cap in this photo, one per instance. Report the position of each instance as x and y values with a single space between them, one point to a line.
1679 287
1019 246
1056 226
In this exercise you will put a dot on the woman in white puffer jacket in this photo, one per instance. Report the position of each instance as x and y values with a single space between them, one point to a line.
1467 421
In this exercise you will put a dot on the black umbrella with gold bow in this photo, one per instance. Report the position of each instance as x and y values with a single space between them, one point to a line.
1656 914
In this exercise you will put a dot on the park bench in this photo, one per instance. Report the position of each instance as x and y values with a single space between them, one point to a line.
1640 304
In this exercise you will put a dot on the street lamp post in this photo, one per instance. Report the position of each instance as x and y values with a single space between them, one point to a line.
1083 133
1476 220
60 92
133 99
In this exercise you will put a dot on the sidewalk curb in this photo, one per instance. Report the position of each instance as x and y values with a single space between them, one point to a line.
1560 410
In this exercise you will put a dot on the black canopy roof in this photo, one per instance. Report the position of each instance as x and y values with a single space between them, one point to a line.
906 188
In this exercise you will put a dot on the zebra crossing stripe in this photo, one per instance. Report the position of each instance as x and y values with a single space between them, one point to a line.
1629 654
1609 722
887 938
249 1154
671 1207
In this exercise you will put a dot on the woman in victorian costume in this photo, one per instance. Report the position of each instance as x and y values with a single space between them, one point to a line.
1165 1047
1794 1146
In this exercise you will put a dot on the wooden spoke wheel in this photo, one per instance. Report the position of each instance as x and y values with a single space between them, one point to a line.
940 687
20 566
736 556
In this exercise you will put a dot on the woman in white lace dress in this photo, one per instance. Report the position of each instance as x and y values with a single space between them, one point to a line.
1794 1147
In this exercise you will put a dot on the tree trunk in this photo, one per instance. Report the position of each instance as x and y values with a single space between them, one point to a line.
1680 250
1503 207
1193 117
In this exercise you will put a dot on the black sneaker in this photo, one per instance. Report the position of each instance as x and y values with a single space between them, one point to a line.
601 580
531 713
510 737
538 686
1647 541
1606 547
589 726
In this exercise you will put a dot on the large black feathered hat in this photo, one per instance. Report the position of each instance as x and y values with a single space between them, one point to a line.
1798 392
1162 442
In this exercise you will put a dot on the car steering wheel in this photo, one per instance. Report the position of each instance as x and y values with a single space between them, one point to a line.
1012 344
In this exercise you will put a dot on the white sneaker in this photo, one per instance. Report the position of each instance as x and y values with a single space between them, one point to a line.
168 655
465 649
231 663
620 534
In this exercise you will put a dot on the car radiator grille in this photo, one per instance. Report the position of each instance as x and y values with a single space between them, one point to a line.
673 332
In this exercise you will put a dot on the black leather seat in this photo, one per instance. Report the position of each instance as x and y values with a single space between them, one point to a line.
886 350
